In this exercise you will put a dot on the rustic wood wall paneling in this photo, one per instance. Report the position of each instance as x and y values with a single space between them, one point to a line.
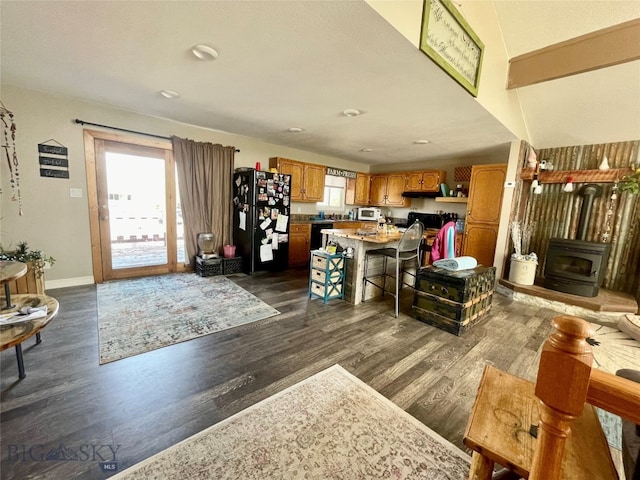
556 213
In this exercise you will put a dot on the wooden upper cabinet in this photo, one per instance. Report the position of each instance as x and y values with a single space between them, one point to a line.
357 192
395 187
314 182
425 181
485 193
386 190
378 192
307 179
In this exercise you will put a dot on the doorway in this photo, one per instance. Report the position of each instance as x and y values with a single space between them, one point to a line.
135 215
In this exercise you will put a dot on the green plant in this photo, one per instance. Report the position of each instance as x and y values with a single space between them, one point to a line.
630 183
22 254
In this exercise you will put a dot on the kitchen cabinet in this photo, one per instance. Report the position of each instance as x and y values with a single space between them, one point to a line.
386 190
425 181
486 190
358 188
307 179
299 244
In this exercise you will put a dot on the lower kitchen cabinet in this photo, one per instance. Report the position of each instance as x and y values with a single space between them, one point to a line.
299 244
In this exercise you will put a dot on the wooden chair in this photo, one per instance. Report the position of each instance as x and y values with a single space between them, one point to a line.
510 412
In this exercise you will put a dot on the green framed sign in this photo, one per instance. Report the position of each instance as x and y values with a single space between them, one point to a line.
450 42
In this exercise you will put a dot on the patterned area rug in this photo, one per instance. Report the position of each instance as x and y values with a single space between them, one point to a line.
329 426
136 316
614 350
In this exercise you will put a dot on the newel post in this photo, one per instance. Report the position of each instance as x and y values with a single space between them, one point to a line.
561 386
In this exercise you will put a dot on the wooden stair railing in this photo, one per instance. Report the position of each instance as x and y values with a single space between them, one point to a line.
565 382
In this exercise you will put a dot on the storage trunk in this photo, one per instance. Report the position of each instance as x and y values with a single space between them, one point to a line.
453 300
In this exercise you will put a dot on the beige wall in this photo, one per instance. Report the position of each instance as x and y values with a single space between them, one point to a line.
58 224
406 17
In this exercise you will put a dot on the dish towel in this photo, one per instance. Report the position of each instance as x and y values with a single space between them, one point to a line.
457 263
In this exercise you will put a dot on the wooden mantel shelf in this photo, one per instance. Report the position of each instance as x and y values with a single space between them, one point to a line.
579 176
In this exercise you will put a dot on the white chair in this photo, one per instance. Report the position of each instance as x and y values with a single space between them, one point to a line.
408 249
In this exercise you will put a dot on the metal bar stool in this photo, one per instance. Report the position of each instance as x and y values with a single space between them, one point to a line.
408 249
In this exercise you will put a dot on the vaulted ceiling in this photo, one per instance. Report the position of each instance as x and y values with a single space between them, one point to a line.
286 64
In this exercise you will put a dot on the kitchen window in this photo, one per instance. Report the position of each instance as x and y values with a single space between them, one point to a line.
334 191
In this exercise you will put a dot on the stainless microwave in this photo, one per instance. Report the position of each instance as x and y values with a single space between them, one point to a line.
369 213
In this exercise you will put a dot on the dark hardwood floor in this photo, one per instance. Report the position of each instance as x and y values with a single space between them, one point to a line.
146 403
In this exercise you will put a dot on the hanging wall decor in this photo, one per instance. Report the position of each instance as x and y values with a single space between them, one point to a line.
9 147
53 159
450 42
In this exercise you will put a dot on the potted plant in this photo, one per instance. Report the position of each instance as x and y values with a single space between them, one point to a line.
36 260
630 183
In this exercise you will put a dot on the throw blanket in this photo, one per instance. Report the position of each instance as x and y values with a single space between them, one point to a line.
457 263
444 245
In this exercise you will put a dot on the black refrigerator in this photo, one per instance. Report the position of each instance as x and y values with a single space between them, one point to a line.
261 207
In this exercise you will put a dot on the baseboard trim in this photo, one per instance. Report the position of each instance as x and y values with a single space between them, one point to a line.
68 282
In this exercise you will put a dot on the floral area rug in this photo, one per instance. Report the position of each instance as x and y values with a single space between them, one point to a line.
329 426
143 314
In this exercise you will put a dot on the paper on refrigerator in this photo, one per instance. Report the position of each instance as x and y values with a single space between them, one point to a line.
281 223
266 253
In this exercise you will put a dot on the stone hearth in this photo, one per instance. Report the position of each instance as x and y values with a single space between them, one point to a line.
606 308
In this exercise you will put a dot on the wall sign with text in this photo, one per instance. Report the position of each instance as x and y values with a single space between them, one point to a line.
54 160
336 172
450 42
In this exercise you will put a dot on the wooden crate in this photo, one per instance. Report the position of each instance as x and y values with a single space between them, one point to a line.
28 283
453 301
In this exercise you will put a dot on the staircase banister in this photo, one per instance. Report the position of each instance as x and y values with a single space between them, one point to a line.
614 394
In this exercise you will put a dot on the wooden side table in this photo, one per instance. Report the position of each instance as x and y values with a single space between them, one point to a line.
499 431
13 334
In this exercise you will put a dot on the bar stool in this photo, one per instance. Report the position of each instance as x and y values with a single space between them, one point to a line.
408 249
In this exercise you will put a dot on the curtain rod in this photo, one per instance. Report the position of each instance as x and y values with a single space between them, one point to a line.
82 122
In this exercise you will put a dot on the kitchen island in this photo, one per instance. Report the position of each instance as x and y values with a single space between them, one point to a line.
361 241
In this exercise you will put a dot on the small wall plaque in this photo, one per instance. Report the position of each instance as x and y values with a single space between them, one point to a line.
53 160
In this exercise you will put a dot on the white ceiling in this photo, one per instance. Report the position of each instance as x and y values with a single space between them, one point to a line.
301 63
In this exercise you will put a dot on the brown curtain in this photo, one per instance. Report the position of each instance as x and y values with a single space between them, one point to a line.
205 173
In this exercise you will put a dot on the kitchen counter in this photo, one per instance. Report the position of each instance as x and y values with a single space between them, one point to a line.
353 283
378 238
329 221
355 266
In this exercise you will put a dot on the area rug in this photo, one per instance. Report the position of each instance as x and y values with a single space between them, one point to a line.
329 426
143 314
612 351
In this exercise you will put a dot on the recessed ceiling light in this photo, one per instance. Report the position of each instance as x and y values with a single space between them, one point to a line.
366 150
351 112
296 129
169 93
421 142
204 52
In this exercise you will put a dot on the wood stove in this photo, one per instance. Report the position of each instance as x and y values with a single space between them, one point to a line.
577 266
